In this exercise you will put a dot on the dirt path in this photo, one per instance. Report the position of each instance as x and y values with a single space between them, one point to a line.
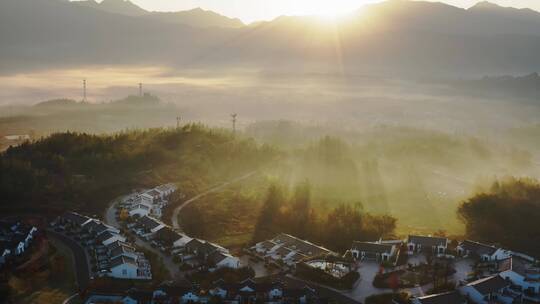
176 212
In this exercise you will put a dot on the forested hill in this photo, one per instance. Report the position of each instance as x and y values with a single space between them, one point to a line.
83 172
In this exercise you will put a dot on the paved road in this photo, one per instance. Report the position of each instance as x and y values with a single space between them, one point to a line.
176 212
364 286
174 269
81 263
66 301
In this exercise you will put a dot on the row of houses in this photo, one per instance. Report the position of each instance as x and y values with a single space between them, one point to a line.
386 250
490 290
516 279
150 202
15 238
287 250
192 251
247 291
114 256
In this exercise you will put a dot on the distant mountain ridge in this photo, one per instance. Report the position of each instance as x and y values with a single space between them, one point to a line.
396 36
196 17
123 7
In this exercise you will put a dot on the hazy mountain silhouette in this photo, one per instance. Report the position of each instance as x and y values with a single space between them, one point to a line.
196 17
123 7
392 37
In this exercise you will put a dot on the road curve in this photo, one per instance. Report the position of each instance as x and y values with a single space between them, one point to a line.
79 255
66 301
176 211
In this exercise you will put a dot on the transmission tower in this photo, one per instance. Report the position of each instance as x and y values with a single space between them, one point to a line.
178 118
234 122
84 90
140 89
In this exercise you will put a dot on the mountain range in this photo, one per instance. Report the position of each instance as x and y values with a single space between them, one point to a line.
196 17
397 37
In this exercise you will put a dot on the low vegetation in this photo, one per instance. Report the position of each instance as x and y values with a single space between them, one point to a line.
48 280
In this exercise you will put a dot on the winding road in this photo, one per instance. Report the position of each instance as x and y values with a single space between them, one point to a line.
176 211
82 268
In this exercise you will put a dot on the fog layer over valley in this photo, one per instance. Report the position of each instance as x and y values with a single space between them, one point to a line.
404 108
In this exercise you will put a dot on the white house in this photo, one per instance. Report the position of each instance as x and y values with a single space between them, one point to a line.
490 290
18 247
484 252
436 245
224 260
288 249
452 297
144 198
141 209
524 274
6 252
182 241
166 190
189 297
124 268
373 251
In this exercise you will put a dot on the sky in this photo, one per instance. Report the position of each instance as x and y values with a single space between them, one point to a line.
254 10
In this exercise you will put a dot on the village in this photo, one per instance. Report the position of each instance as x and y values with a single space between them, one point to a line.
427 269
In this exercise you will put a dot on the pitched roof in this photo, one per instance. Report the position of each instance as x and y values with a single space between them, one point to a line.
428 241
115 244
149 223
518 265
267 245
478 248
76 218
105 236
217 257
372 247
166 187
168 235
122 260
305 247
118 250
153 193
452 297
489 285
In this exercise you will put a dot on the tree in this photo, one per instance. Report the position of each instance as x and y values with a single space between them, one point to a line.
270 214
301 210
506 214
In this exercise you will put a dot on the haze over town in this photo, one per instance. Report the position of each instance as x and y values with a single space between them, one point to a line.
357 147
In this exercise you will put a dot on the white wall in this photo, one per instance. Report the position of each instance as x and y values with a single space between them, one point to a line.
124 271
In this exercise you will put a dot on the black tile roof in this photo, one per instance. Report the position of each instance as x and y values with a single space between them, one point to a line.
478 248
428 241
489 285
372 247
452 297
